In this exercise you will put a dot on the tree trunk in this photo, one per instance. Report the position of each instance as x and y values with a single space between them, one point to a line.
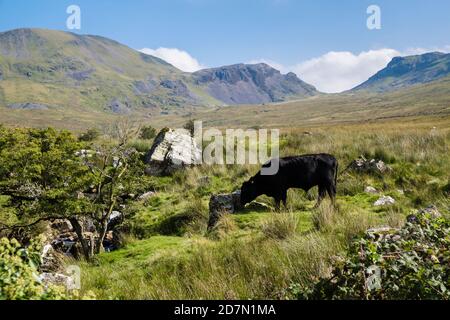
87 250
101 235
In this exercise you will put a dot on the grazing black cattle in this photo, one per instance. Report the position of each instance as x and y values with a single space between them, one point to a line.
303 172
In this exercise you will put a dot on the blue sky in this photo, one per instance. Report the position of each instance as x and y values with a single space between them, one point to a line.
285 33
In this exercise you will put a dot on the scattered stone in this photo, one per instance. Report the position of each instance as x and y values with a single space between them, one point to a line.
371 190
384 201
223 204
147 196
51 260
364 165
28 106
382 232
57 279
171 151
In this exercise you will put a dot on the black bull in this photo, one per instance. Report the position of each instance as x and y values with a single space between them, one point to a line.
303 172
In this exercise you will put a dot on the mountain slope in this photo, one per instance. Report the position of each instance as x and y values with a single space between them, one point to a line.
404 72
252 84
54 69
62 69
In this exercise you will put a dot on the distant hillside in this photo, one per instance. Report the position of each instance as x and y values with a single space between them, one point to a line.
404 72
252 84
47 69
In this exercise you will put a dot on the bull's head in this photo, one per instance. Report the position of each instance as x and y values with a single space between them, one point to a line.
249 192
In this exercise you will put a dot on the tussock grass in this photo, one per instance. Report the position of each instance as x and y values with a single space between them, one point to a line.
280 226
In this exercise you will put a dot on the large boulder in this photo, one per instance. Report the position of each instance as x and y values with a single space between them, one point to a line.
223 204
172 150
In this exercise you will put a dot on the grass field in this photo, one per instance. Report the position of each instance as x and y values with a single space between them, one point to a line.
322 111
260 253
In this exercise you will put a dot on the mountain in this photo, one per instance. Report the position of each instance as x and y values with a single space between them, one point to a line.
252 84
403 72
48 69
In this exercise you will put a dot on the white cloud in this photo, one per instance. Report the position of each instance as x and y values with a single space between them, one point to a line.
176 57
338 71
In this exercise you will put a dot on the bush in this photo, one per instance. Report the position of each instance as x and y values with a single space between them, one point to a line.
147 133
19 275
412 263
90 135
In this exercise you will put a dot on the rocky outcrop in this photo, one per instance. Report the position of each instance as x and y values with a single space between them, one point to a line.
369 166
251 84
28 106
171 151
119 107
223 204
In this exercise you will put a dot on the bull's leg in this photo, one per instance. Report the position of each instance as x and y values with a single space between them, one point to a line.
277 203
284 198
322 195
331 189
280 198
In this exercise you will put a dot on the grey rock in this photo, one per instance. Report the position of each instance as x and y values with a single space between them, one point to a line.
373 165
383 230
81 75
146 196
371 190
57 279
171 151
28 106
384 201
144 87
223 204
382 233
119 107
251 84
178 88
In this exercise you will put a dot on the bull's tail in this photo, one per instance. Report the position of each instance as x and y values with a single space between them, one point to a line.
336 170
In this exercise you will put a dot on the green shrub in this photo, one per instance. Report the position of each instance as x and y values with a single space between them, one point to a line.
413 263
89 135
147 133
19 275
